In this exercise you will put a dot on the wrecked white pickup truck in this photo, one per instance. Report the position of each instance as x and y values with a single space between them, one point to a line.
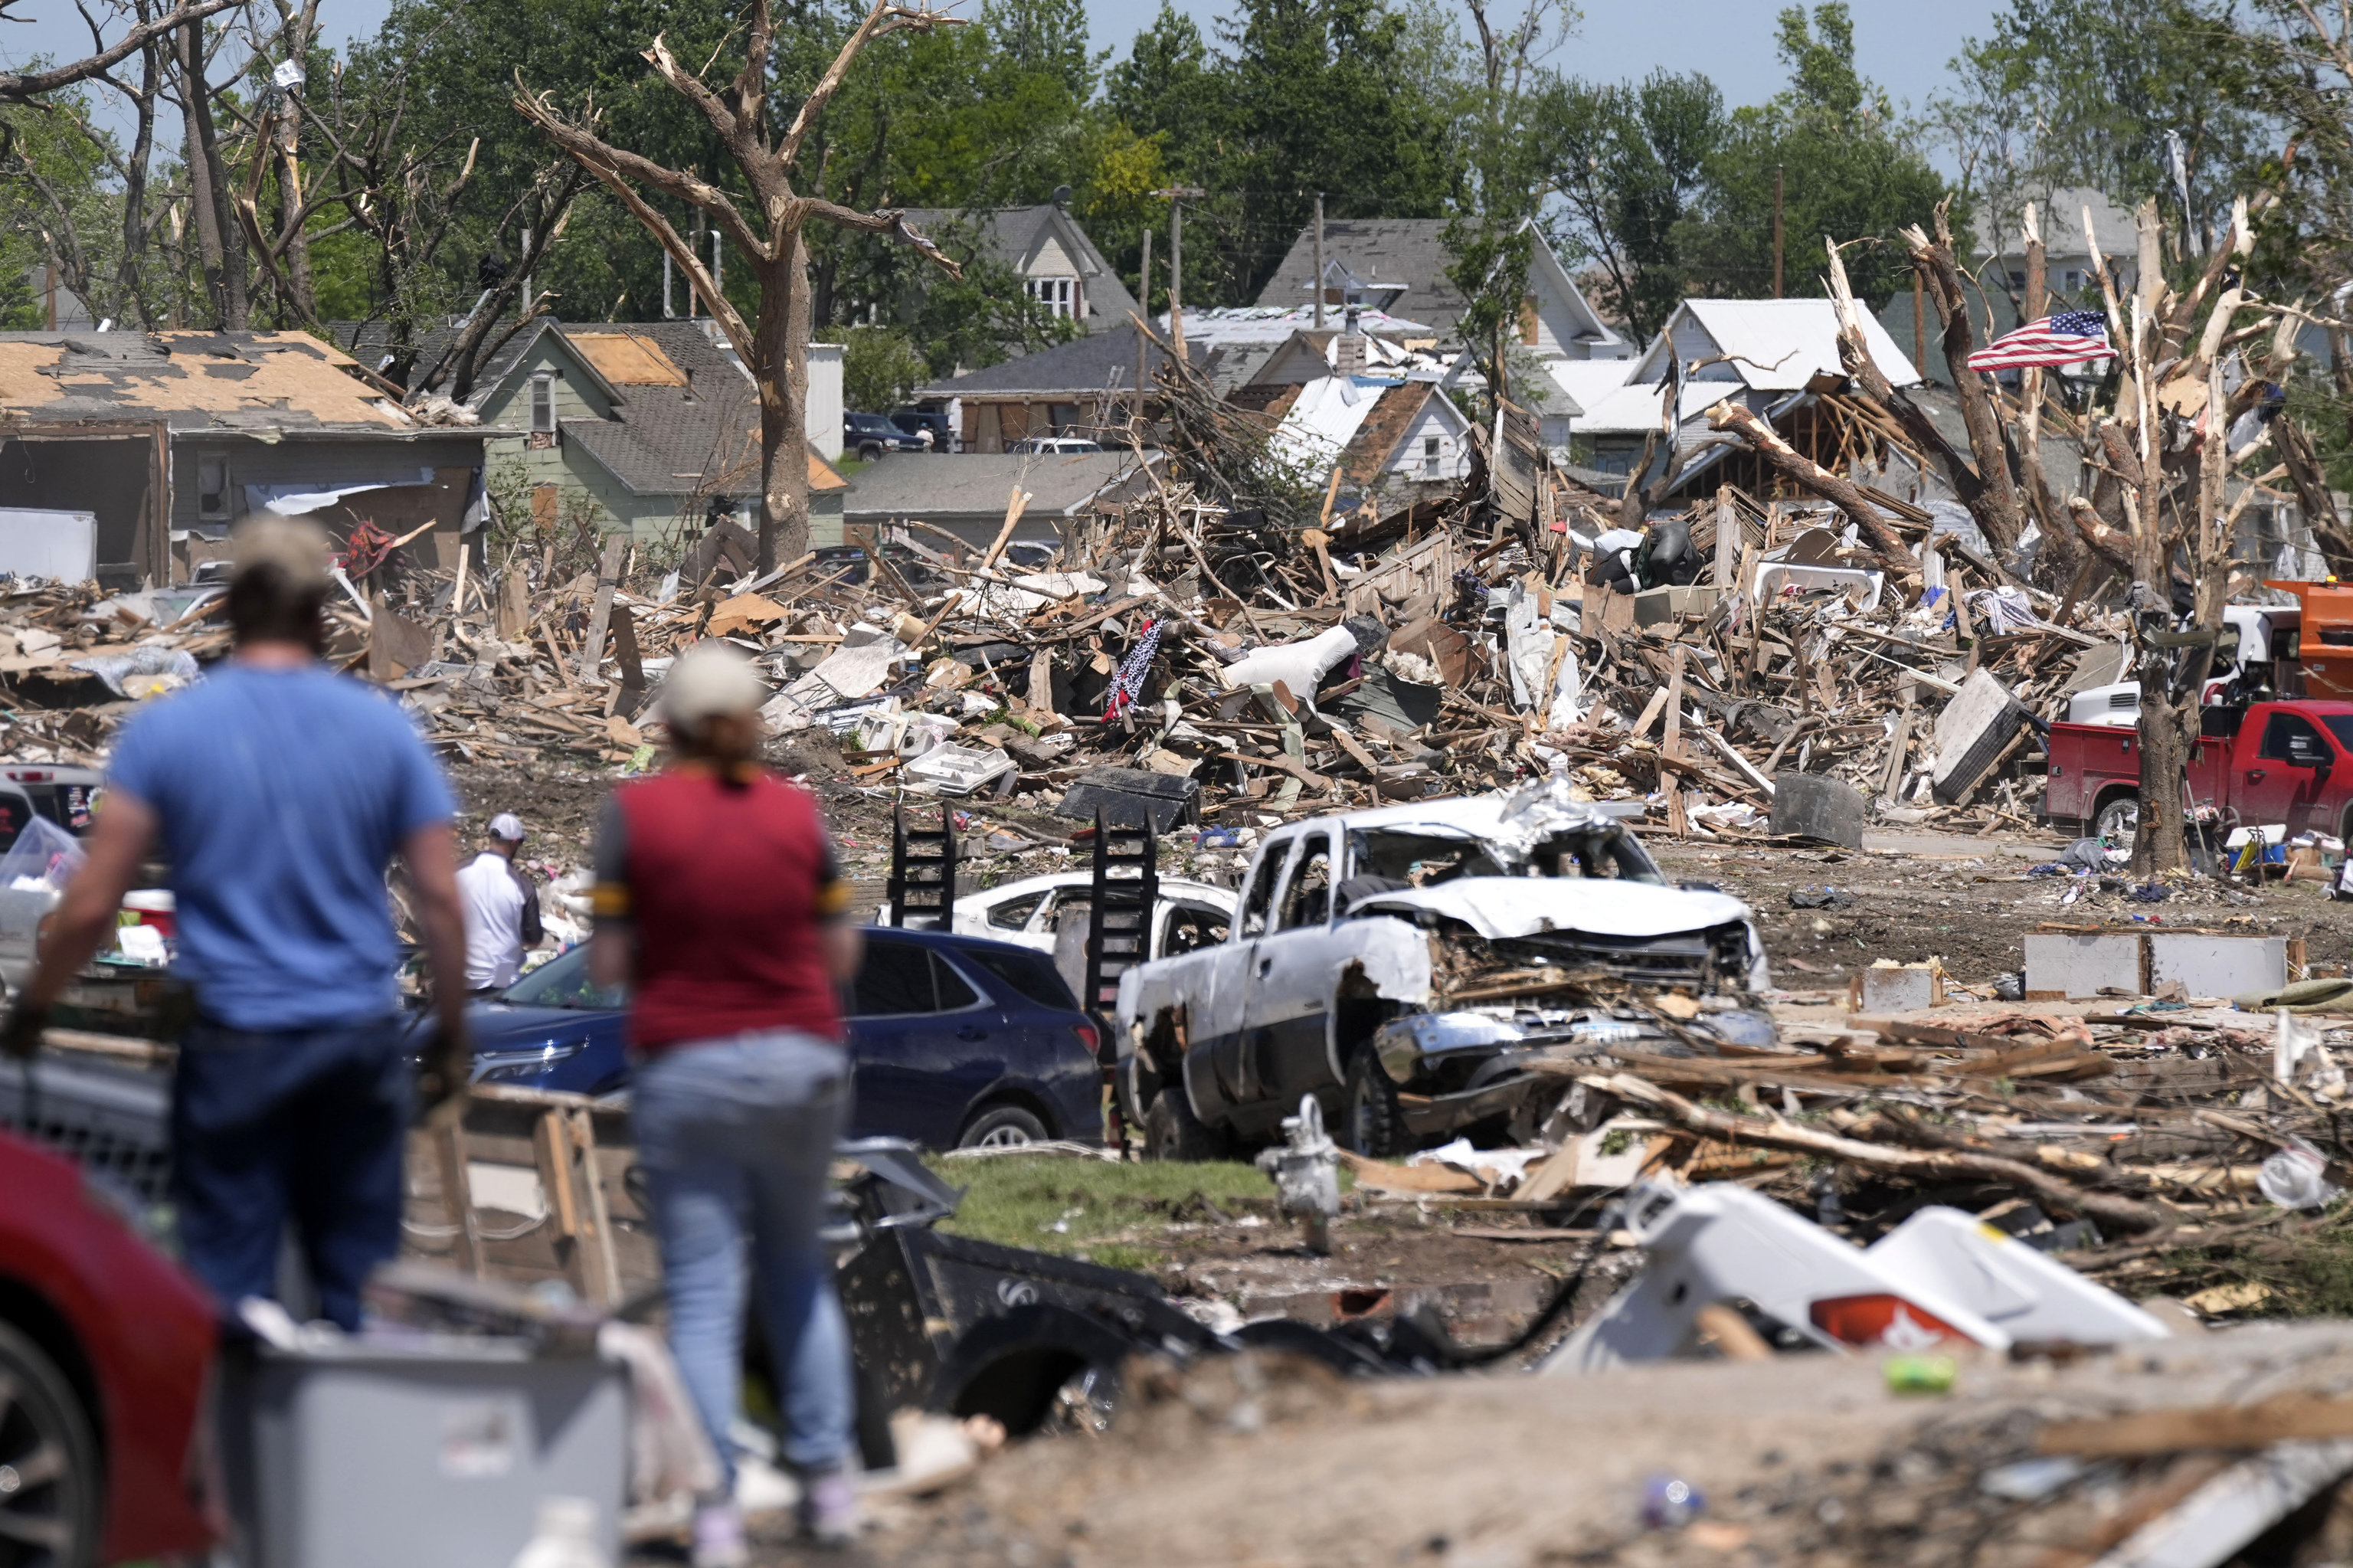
1414 966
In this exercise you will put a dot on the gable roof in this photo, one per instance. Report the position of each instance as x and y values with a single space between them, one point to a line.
191 380
2060 217
1378 252
1771 346
1017 236
1354 420
1398 409
370 344
1083 367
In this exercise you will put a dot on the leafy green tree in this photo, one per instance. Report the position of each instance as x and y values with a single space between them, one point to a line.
1848 168
2084 92
1498 113
879 368
1627 163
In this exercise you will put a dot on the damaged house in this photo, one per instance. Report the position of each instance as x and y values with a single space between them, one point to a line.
646 427
152 445
1399 266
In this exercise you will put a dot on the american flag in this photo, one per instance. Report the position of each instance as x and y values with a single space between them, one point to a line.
1128 684
2063 339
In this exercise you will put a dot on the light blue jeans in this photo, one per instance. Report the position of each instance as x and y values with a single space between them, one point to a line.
735 1136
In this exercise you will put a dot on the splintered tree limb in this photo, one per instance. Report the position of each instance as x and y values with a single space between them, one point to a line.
1997 508
1762 440
891 223
2312 494
1855 356
882 19
2114 547
2126 1214
615 166
23 86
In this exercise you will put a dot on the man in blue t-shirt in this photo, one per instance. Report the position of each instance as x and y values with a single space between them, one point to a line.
278 791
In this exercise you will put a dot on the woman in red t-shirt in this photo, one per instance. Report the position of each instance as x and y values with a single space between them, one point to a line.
718 903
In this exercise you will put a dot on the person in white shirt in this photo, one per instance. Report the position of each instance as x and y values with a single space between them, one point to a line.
501 911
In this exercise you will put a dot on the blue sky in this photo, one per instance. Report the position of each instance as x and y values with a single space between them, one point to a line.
1901 44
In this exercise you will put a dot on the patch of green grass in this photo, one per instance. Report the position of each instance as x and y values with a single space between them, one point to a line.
1020 1201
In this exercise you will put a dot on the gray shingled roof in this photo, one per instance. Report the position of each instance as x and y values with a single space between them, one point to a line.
367 341
1012 235
966 492
1376 250
672 440
1083 367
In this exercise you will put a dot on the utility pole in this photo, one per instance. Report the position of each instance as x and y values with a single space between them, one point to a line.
1143 298
1776 232
667 313
1175 195
1319 262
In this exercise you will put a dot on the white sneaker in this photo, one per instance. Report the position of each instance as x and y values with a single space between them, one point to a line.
719 1537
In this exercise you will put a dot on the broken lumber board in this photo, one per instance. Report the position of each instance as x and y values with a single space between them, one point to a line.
2148 1432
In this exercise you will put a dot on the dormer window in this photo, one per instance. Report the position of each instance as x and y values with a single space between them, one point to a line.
1059 295
543 405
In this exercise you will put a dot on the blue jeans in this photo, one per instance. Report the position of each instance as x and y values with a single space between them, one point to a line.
302 1123
735 1137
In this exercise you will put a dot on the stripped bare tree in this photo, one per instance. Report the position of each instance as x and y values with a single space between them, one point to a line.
776 350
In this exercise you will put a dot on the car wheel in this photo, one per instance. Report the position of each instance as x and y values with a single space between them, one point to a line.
1171 1131
1003 1126
49 1480
871 452
1372 1123
2119 822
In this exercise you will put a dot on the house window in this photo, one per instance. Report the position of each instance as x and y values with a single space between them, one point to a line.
212 487
1059 295
1429 457
543 403
2074 279
2017 281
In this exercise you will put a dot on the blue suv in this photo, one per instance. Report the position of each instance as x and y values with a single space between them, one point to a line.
953 1041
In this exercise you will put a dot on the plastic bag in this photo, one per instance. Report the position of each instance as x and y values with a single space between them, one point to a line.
44 855
2296 1177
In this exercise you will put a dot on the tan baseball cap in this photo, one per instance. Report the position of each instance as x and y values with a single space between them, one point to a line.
296 546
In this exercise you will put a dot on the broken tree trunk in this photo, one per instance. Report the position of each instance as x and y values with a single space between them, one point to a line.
1996 507
2059 555
1803 471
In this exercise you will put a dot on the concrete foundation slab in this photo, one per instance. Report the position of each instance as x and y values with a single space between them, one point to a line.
2218 966
2063 966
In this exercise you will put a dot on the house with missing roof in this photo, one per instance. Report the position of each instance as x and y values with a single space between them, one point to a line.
653 427
1399 266
1058 265
158 444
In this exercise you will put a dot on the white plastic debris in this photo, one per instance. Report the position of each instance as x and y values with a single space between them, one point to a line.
954 769
2297 1177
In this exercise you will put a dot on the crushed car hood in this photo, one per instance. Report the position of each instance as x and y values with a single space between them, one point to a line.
1505 906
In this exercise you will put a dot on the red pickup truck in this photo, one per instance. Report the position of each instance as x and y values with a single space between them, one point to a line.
2288 763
